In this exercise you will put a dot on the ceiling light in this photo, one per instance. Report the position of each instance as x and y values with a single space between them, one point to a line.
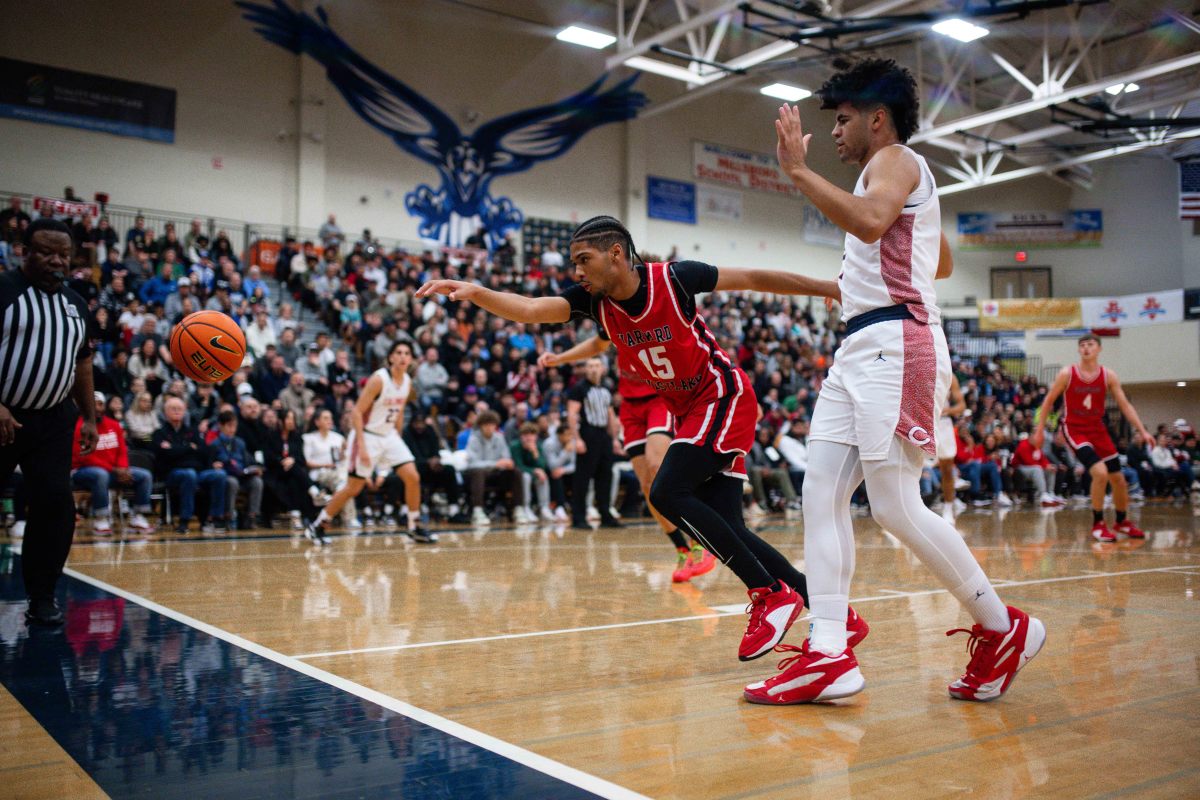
588 38
785 92
1131 87
1181 384
960 29
1118 88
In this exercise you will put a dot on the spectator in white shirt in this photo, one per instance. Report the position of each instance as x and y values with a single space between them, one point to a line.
551 258
791 445
259 334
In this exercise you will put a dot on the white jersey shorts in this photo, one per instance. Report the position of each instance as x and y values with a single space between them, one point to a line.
888 379
386 453
947 445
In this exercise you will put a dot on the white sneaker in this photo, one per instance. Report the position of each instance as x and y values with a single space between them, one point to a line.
102 526
523 516
547 514
140 524
959 506
1049 501
982 502
948 514
592 513
354 524
961 483
616 514
755 510
18 529
560 514
1004 500
480 517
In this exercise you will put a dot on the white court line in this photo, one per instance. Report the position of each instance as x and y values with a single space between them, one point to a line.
721 611
562 772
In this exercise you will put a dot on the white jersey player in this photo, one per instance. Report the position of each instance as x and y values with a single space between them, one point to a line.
376 444
875 415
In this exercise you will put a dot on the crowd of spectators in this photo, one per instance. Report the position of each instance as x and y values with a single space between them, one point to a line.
247 445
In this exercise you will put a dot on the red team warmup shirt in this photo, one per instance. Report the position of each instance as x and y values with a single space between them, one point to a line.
1083 414
665 346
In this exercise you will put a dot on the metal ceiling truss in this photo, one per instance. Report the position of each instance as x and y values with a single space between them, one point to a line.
987 86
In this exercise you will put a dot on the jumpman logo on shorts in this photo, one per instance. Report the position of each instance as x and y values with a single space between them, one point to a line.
880 357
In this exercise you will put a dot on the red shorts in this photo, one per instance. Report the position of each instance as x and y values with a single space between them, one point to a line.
1093 436
726 424
642 416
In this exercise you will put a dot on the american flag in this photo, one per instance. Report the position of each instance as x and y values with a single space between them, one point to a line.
1189 190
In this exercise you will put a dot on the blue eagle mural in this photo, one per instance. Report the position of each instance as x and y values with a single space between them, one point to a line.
467 164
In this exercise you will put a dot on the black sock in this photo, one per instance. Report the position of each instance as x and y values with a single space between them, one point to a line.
1120 517
677 539
1097 516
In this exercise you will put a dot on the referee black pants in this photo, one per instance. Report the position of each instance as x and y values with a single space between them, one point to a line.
42 449
595 464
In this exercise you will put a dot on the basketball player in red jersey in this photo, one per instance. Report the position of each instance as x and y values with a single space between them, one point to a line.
649 312
1084 387
648 426
875 416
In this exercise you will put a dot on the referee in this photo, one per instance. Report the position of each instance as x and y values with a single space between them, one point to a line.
591 419
45 383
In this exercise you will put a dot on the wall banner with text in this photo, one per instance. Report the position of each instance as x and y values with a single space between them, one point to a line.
741 169
986 230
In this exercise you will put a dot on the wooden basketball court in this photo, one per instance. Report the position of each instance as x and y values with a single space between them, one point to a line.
574 658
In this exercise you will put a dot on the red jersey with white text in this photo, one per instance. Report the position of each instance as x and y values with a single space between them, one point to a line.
1083 400
666 348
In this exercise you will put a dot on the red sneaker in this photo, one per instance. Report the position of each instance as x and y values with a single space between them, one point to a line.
771 614
996 657
683 568
808 677
856 629
1129 529
1101 533
702 561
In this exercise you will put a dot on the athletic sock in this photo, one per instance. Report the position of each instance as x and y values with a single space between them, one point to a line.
828 632
1120 517
322 518
412 520
677 539
1097 516
982 602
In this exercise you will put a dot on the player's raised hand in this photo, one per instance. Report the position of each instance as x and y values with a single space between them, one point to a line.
792 147
455 290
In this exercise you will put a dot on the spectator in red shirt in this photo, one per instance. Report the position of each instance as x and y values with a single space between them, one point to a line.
109 463
1032 464
974 464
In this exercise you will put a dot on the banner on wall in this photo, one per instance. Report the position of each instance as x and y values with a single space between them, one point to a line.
819 229
1074 228
742 169
1017 315
674 201
716 202
40 93
59 209
1133 309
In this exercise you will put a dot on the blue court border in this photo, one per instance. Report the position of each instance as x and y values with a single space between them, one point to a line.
151 706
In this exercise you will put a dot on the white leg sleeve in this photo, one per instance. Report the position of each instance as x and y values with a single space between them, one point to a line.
892 485
834 472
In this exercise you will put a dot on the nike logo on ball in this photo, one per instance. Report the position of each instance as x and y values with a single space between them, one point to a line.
216 342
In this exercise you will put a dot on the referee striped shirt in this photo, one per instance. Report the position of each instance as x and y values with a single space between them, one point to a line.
595 400
42 335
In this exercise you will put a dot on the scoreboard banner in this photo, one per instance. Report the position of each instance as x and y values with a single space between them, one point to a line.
1133 309
1000 230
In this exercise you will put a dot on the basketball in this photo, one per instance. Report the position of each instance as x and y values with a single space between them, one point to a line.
207 346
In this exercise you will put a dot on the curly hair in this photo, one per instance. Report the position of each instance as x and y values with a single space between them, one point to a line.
875 82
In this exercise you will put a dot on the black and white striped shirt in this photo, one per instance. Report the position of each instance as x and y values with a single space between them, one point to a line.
595 400
41 337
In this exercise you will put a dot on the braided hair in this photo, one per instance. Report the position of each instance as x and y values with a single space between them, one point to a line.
603 232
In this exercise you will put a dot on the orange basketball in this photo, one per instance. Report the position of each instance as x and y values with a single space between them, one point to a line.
207 346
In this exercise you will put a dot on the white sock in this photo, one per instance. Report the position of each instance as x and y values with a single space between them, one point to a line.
322 518
413 518
982 603
828 632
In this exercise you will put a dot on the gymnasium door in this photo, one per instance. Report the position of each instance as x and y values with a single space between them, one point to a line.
1021 283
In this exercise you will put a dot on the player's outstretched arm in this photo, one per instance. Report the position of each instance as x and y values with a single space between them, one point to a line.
1056 389
511 306
594 346
1114 386
890 178
776 281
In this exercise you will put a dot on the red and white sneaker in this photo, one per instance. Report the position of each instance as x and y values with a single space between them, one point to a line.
1101 533
808 677
771 614
1129 529
701 562
856 629
997 657
683 567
